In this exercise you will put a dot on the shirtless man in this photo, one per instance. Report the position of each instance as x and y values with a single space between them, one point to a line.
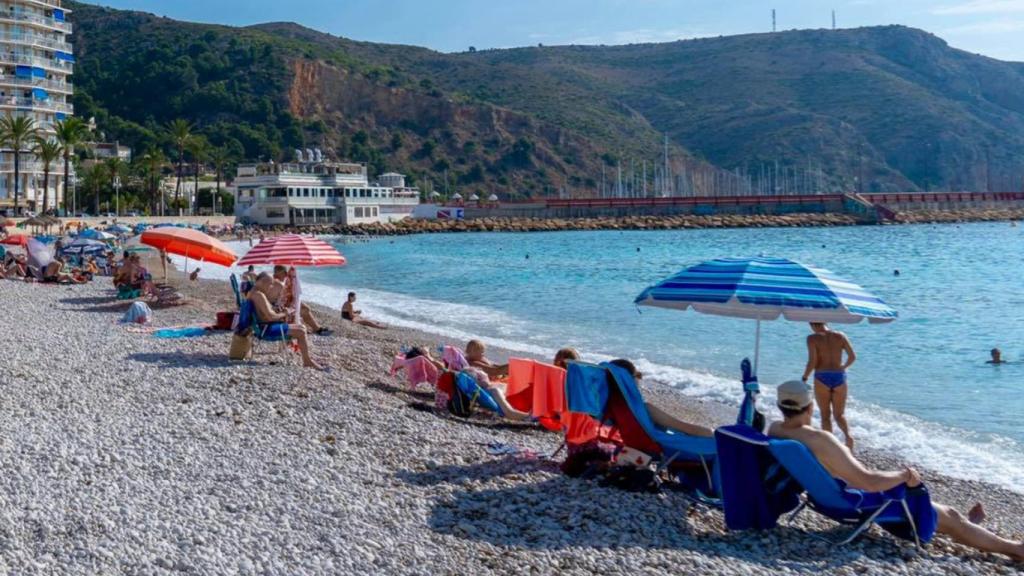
477 359
825 349
266 313
476 355
280 297
795 402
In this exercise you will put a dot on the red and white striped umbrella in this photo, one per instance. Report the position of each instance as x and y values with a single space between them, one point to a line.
293 250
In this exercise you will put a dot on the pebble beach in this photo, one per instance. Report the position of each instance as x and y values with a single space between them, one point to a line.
123 453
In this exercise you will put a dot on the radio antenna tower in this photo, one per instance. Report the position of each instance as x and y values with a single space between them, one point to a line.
833 19
773 19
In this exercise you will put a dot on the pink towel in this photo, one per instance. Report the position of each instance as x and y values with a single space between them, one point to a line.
418 370
454 358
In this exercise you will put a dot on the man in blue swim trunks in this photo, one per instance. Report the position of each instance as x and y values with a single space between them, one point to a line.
825 349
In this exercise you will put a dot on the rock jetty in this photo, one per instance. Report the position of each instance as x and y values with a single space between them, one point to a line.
677 222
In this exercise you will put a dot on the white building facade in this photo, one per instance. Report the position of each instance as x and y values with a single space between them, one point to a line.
313 193
36 63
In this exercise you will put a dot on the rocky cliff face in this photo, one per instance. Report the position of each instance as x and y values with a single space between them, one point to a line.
493 149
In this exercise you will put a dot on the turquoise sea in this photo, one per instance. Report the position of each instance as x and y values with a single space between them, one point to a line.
920 388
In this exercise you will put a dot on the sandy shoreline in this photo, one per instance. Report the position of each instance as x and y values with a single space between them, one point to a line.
126 453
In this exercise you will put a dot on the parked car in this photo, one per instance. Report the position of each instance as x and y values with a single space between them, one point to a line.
108 215
132 214
83 215
28 214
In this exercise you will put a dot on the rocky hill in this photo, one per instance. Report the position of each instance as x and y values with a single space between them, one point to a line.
887 108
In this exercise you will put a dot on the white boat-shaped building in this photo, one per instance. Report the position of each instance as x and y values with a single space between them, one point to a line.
310 193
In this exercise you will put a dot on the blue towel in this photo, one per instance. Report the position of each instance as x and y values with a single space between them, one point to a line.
170 333
586 389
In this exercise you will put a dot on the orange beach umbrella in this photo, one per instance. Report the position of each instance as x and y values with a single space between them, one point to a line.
190 244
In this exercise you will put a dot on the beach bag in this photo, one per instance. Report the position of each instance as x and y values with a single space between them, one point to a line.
138 313
461 404
240 346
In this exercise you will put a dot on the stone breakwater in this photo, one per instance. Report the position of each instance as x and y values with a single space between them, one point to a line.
604 223
686 221
180 462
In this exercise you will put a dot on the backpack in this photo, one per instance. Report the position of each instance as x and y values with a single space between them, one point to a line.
459 403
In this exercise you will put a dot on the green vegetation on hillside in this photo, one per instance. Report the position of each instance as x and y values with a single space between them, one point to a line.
868 109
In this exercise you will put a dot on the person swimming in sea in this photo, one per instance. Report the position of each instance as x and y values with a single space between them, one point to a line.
997 357
825 349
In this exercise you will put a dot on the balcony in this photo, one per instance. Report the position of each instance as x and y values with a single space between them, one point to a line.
36 104
38 40
36 61
44 83
29 166
37 19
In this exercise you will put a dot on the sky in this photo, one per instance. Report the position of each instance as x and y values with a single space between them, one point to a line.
991 27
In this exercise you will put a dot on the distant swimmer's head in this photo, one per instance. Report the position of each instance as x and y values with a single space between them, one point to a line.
997 356
896 272
795 399
818 327
564 356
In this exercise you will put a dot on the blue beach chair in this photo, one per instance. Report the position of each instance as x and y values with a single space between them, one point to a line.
272 332
237 291
785 467
589 391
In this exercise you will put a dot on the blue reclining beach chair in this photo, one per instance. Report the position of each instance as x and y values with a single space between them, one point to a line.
273 332
476 394
236 290
788 465
588 391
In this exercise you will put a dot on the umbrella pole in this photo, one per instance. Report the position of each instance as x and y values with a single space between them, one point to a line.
757 346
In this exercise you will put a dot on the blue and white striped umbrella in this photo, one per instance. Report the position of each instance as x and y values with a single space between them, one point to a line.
766 288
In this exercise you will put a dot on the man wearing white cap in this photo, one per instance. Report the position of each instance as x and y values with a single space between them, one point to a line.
796 401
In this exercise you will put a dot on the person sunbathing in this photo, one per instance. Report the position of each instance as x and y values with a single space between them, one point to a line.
349 312
795 400
282 297
53 273
476 355
267 315
564 356
661 418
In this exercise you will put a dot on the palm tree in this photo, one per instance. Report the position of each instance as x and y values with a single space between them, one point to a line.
197 147
95 177
114 167
70 133
16 133
219 157
152 163
47 151
180 132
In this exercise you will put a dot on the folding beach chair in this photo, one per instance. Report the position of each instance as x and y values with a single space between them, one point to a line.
787 466
618 403
272 332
